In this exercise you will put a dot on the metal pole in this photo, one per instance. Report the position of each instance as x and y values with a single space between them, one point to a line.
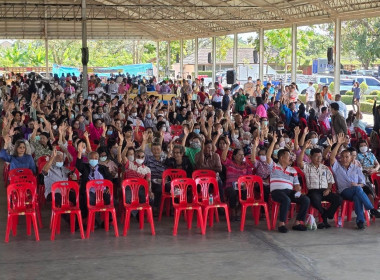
84 46
294 52
261 55
168 60
235 51
181 58
46 48
158 60
196 58
338 29
213 56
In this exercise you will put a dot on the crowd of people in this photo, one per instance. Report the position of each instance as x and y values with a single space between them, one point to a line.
120 130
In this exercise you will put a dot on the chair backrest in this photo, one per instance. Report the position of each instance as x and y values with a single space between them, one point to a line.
64 188
41 162
205 183
360 134
248 182
170 175
6 167
176 130
135 184
99 187
23 179
323 127
19 171
375 178
179 189
301 176
315 127
21 196
303 123
203 173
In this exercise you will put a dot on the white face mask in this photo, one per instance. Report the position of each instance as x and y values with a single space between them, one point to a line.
55 127
363 149
134 115
140 161
263 158
103 158
163 129
282 144
314 141
131 158
287 140
246 142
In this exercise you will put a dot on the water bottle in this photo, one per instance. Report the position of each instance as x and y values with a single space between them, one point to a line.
339 222
211 200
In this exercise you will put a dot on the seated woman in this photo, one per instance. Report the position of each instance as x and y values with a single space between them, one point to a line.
235 168
19 159
177 160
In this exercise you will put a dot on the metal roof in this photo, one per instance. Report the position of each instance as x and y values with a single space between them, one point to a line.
169 19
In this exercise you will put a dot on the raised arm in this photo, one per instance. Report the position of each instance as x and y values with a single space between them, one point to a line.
270 149
254 148
302 140
225 152
300 163
297 132
48 164
341 139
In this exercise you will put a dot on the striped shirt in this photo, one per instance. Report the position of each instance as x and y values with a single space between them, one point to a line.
317 178
132 170
234 171
281 179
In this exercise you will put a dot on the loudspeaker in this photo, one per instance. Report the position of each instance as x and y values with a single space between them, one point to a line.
330 59
177 58
231 77
209 60
255 57
84 56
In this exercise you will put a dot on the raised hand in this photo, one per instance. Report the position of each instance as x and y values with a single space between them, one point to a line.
297 130
341 138
256 142
54 152
308 144
121 138
275 137
85 134
145 136
186 131
306 130
330 142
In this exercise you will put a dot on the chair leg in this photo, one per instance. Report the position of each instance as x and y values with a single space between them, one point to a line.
227 218
267 216
126 221
243 214
28 225
114 222
38 212
52 225
176 220
274 216
343 215
59 224
190 218
161 208
167 206
216 216
106 221
366 215
80 222
141 218
9 227
35 225
257 210
150 219
203 228
205 215
72 222
89 224
211 221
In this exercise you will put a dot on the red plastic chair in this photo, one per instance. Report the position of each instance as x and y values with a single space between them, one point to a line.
166 197
315 127
41 162
99 187
324 129
21 201
66 207
176 130
134 185
203 173
19 171
29 179
347 208
179 189
361 135
303 123
353 140
375 178
256 203
205 183
5 173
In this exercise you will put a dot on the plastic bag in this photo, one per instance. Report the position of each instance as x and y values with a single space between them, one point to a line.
310 222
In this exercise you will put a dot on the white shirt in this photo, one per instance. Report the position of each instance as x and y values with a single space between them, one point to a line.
310 91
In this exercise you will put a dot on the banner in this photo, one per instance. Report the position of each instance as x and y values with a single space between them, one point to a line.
59 70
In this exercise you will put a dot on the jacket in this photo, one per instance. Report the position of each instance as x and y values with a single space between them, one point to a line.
338 124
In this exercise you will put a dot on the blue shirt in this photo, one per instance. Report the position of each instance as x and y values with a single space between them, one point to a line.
367 160
344 177
356 92
26 161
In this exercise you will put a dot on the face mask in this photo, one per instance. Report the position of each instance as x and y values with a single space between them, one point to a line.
93 162
134 115
314 141
109 132
84 151
197 130
265 123
140 161
131 158
103 158
59 164
307 152
263 158
72 116
287 140
363 149
163 129
221 131
195 145
282 144
280 128
148 116
236 136
275 152
55 127
246 142
37 138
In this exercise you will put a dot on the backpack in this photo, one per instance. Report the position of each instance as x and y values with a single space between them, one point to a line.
310 222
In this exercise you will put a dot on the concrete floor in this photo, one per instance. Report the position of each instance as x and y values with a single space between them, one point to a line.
336 253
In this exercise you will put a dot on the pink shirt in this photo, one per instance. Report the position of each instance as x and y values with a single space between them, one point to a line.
261 111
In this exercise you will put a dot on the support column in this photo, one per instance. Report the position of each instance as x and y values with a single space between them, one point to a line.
46 47
235 51
181 58
261 54
338 31
294 52
168 60
196 58
84 50
158 60
213 56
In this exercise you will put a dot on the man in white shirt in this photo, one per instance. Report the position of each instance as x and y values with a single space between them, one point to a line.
310 96
342 106
249 87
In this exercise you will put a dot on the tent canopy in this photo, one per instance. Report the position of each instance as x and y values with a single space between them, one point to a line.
169 19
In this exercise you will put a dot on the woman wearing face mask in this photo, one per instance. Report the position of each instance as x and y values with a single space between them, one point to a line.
261 166
246 143
162 129
193 147
261 110
41 143
178 160
104 159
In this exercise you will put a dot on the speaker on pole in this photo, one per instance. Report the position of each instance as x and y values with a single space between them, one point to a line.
84 56
330 59
231 77
255 57
177 58
209 60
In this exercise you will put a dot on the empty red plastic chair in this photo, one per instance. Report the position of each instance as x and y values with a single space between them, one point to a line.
179 189
19 171
65 207
135 204
169 175
209 205
375 178
21 201
99 188
203 173
256 202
